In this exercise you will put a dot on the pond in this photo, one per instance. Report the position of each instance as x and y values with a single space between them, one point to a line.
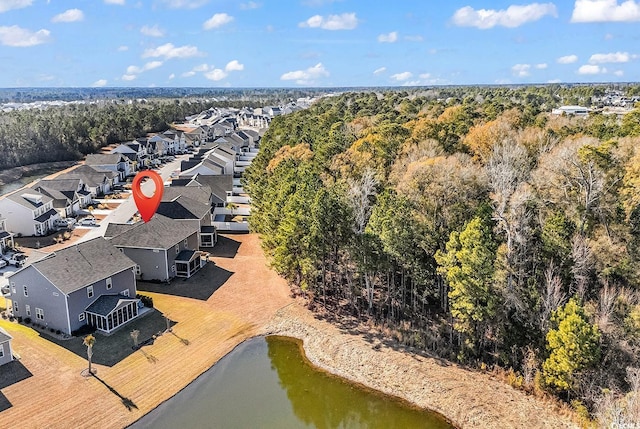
25 180
268 383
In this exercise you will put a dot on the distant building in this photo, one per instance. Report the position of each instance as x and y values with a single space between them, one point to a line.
6 354
571 110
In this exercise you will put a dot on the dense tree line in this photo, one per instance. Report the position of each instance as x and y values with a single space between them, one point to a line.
70 132
471 223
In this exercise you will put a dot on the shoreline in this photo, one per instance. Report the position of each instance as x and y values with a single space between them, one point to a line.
253 301
465 398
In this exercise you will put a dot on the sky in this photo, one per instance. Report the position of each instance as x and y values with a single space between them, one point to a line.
315 43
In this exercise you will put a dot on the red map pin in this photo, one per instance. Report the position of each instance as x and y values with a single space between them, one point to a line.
147 206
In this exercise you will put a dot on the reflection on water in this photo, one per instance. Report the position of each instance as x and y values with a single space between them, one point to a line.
266 383
25 180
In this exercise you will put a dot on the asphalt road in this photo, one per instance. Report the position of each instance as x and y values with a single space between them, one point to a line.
127 209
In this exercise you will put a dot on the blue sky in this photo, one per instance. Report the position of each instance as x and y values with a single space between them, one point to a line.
292 43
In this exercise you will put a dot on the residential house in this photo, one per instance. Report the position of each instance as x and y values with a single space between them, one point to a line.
116 162
69 195
28 212
220 187
98 181
87 283
6 238
163 248
130 154
184 209
6 354
207 167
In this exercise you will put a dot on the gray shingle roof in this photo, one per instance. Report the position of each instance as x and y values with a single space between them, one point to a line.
46 216
4 336
114 229
159 233
83 264
198 193
185 255
183 207
103 159
89 175
106 304
20 197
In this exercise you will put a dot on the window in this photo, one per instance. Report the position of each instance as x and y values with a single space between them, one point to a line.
39 314
109 283
15 307
27 309
1 350
186 243
177 249
13 287
173 268
56 294
125 292
81 317
24 289
121 249
90 292
137 270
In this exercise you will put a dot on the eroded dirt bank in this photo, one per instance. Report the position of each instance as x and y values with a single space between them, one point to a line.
468 399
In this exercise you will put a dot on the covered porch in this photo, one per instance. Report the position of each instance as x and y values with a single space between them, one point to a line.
208 236
109 312
187 263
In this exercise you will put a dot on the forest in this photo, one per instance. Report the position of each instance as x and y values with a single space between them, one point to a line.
472 224
70 132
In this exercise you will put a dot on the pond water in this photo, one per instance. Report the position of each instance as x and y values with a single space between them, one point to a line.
267 383
25 180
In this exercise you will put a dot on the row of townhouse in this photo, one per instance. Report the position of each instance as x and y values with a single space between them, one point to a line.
94 282
33 211
149 151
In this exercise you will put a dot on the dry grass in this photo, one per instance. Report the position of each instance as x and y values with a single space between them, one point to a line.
57 396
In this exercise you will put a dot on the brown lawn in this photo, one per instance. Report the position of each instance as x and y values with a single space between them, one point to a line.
57 396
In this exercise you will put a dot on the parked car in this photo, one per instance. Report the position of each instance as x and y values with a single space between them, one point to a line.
88 221
15 259
3 263
64 223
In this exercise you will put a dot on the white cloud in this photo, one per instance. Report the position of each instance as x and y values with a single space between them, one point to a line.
148 66
417 38
606 11
217 20
216 74
99 83
171 76
71 15
513 16
201 68
128 77
591 69
308 76
168 51
608 36
618 73
21 37
425 76
185 4
402 76
154 31
541 66
123 48
388 38
249 5
613 57
554 81
188 74
345 21
234 66
567 59
380 70
120 2
521 70
6 5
